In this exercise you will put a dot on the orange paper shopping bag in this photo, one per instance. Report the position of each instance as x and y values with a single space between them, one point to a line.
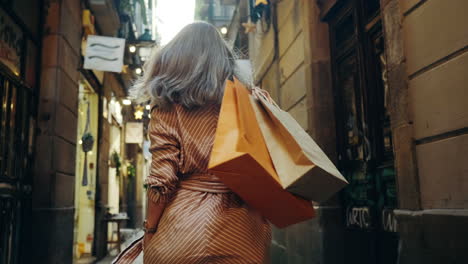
240 158
301 165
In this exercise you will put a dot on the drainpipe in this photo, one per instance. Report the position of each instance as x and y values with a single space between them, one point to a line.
211 11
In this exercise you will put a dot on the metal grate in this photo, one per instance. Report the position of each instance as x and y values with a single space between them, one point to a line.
15 179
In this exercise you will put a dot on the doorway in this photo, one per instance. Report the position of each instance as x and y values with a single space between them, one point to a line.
85 180
364 140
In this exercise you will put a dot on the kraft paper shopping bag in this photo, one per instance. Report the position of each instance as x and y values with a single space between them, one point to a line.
240 158
302 166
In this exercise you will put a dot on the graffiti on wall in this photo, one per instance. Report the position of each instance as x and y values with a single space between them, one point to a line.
365 218
358 217
389 222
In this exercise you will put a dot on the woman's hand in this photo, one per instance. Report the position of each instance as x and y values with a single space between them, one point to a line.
153 214
149 233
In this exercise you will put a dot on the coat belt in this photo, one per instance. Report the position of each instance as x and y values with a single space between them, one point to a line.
204 183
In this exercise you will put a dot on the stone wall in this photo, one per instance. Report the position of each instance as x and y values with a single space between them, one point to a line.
292 61
437 66
54 179
426 43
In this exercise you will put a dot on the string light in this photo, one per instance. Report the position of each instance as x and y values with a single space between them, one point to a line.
126 102
224 30
139 112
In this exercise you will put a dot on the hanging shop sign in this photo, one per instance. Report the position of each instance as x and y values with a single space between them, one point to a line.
134 133
11 43
104 53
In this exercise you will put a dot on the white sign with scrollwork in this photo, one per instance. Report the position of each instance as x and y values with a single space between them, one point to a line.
104 53
134 133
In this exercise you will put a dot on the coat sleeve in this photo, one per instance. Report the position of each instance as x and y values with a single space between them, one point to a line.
162 180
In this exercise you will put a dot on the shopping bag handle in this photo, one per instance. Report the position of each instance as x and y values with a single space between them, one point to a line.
258 93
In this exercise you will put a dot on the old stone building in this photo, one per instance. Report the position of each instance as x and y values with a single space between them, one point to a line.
427 44
20 42
54 194
381 86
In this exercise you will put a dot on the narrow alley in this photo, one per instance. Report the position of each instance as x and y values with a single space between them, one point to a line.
381 86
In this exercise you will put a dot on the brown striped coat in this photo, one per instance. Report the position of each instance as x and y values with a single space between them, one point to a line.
204 222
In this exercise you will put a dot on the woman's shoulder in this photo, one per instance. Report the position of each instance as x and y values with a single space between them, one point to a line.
178 111
163 114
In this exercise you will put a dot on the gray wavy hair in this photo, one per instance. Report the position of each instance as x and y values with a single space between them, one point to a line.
190 70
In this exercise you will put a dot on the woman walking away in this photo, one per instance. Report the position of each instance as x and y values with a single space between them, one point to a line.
192 217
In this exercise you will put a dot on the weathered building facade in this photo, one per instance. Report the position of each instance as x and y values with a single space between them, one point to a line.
427 43
20 43
381 86
54 195
54 172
